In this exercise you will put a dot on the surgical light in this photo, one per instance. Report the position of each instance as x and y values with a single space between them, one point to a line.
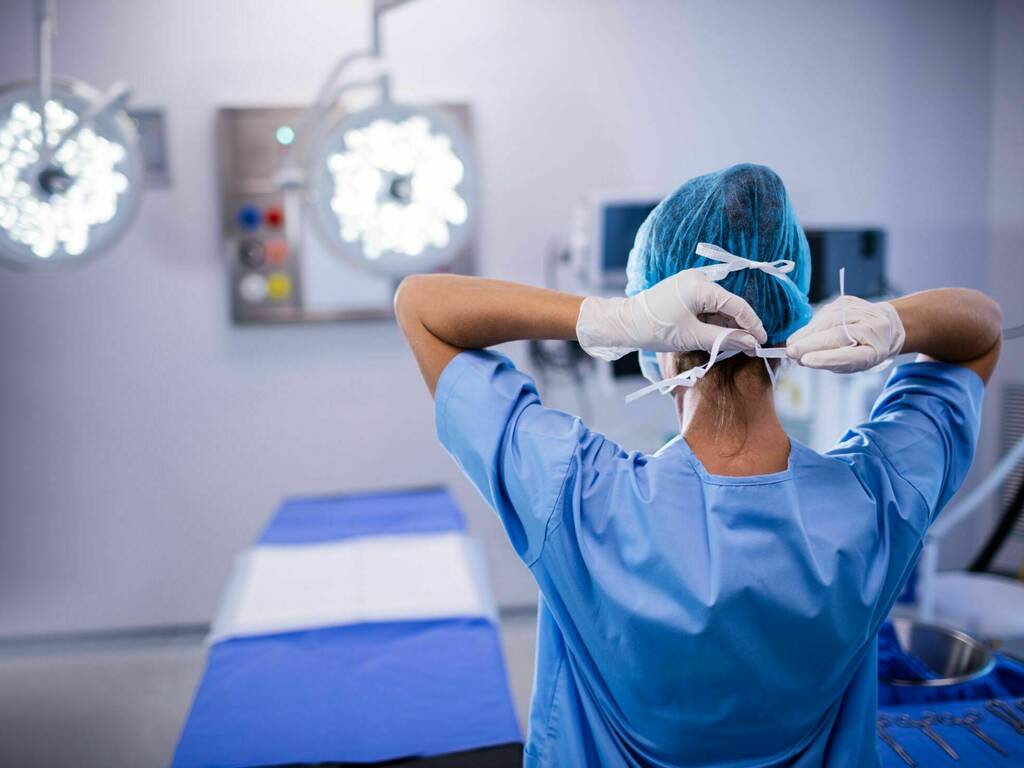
394 188
69 165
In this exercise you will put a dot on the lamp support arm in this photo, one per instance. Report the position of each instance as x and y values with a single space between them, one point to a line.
114 98
45 23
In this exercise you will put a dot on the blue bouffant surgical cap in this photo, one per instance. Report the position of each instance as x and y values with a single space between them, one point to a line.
745 210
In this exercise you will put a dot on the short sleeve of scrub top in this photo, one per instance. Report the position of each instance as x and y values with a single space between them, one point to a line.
515 451
922 432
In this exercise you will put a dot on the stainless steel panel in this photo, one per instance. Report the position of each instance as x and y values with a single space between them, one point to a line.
322 287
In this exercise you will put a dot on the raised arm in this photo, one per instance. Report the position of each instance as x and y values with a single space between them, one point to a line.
443 315
951 325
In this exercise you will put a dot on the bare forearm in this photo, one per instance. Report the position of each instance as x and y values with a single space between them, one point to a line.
474 312
953 325
441 315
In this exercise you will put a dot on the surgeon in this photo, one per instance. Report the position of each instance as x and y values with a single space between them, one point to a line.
715 603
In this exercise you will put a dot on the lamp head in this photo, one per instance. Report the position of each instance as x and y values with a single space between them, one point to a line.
394 188
63 200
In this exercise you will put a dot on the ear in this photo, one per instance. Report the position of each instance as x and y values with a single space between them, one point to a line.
667 363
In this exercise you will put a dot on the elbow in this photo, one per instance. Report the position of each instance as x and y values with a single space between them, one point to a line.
993 316
405 294
997 316
408 297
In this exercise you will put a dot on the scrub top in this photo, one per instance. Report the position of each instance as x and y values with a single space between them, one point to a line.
691 619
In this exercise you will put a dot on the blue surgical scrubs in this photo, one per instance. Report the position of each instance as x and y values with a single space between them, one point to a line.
691 619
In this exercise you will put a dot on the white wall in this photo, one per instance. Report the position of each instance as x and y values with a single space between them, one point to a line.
144 440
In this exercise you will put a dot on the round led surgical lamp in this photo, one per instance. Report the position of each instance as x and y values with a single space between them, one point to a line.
392 187
70 168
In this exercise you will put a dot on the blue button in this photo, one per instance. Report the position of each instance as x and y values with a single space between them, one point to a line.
249 217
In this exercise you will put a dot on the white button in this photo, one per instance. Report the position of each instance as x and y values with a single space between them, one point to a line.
253 288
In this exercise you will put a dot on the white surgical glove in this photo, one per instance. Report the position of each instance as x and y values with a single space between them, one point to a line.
665 318
849 335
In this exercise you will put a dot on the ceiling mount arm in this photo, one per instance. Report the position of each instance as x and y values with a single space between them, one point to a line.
291 174
45 22
380 7
114 98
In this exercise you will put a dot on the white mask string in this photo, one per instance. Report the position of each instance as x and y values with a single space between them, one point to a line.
690 377
730 262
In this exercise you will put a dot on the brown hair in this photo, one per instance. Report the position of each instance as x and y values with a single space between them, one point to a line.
721 385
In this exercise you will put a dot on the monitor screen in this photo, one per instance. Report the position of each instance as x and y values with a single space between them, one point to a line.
627 365
860 251
619 224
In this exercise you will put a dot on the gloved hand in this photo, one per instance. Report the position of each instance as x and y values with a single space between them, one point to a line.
665 318
872 334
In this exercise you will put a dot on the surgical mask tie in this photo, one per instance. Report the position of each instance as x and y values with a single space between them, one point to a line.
730 262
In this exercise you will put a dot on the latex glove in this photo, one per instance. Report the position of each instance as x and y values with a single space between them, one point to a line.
873 333
667 318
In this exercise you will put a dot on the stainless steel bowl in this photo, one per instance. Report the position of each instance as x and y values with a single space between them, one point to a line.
953 655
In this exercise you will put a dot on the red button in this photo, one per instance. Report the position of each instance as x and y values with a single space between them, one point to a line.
276 251
274 217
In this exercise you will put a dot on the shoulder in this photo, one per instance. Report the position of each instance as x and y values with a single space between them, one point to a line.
922 431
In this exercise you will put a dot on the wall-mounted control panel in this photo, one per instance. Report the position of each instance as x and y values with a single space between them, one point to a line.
279 267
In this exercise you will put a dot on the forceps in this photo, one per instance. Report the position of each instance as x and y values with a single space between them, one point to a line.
925 726
970 721
1002 710
882 727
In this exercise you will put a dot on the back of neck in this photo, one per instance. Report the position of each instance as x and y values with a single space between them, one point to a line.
738 436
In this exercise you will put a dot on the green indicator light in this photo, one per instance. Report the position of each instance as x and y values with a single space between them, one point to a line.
284 135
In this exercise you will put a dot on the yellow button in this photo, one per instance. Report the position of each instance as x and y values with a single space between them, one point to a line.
279 286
